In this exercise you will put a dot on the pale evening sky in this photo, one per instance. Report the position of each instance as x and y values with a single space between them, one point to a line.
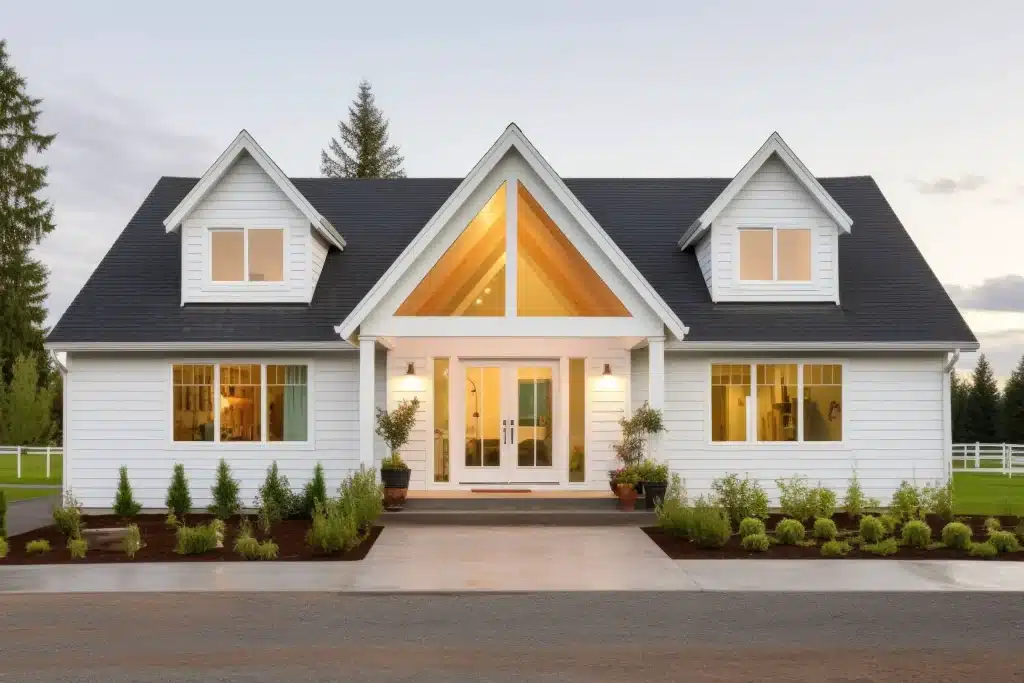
927 97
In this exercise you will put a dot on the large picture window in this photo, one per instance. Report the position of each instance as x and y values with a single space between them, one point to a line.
253 402
786 402
775 255
247 255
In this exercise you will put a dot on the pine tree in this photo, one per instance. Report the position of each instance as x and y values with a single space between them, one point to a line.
958 390
224 493
983 409
125 505
26 417
179 500
25 218
364 150
1013 406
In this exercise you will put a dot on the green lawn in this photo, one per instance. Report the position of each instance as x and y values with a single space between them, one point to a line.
24 494
33 469
988 494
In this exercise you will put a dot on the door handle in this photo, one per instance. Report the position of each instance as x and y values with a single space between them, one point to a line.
504 431
512 440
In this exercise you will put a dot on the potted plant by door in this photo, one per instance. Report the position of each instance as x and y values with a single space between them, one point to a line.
654 477
394 428
625 488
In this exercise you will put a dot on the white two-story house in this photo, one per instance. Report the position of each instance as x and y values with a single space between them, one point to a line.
784 324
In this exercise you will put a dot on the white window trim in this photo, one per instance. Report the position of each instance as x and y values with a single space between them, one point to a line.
775 228
245 282
263 443
752 404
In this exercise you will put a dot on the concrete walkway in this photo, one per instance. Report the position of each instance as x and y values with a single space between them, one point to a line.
503 559
26 515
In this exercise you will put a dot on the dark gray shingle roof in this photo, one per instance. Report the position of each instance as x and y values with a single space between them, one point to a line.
887 290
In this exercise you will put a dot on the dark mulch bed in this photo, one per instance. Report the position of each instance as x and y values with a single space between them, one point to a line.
290 536
681 549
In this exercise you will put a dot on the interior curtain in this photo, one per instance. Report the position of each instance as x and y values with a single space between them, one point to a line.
296 403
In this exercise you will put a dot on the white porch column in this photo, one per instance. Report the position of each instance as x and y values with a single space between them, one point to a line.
367 351
656 371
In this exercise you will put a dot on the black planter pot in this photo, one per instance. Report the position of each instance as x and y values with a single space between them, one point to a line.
654 493
395 479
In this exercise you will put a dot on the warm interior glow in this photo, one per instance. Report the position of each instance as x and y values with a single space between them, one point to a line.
469 279
756 254
266 255
227 253
441 422
553 278
777 415
794 253
483 416
534 417
730 387
577 419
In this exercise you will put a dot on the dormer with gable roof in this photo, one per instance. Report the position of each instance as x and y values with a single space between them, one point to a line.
773 234
248 235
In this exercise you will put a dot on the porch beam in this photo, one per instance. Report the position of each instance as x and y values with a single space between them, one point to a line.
367 353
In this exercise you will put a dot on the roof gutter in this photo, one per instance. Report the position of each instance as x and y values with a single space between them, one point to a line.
947 414
820 346
337 345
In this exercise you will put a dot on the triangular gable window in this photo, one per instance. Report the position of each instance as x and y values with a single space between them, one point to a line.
552 278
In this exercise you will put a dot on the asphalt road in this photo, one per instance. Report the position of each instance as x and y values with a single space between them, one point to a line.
538 637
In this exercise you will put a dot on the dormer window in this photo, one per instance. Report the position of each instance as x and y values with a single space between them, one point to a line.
775 254
247 254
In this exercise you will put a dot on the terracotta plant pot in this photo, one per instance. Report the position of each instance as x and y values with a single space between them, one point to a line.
396 487
627 497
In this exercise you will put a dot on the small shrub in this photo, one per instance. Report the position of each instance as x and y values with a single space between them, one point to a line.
709 525
756 543
983 550
992 525
251 549
825 529
132 542
67 517
741 498
855 502
125 505
887 546
275 500
195 540
956 535
834 548
823 501
3 514
790 532
1004 541
77 548
172 521
908 502
939 500
1019 531
751 527
179 500
38 546
917 534
795 497
225 493
332 530
889 522
3 548
653 471
871 529
672 513
362 497
315 491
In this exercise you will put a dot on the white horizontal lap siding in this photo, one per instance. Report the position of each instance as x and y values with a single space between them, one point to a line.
639 379
705 257
774 198
403 387
892 431
119 413
380 400
246 196
608 403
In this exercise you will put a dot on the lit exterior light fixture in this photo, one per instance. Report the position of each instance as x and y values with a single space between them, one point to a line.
410 371
607 370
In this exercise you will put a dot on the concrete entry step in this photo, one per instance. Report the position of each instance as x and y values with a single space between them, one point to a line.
539 517
514 503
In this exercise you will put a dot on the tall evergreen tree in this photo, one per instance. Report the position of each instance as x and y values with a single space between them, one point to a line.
1013 406
26 409
959 390
364 150
25 218
983 410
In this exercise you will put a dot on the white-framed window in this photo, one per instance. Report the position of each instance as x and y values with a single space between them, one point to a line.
776 402
253 402
247 254
775 254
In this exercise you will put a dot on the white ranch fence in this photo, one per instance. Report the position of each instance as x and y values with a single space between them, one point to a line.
21 454
991 458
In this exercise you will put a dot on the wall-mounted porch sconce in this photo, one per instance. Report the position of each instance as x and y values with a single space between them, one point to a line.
410 371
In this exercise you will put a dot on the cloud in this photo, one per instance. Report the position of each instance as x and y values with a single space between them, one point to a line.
109 152
943 185
1016 195
1005 293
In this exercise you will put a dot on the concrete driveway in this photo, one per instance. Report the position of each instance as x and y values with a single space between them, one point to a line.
26 515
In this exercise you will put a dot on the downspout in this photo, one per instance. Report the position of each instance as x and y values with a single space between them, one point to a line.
947 414
65 461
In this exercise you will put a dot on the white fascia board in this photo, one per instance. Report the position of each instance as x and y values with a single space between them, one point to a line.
512 137
820 346
777 146
244 142
339 345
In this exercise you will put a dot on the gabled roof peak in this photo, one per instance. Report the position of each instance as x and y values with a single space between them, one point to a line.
245 143
773 146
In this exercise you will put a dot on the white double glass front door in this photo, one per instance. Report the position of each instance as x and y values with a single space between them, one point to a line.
509 421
